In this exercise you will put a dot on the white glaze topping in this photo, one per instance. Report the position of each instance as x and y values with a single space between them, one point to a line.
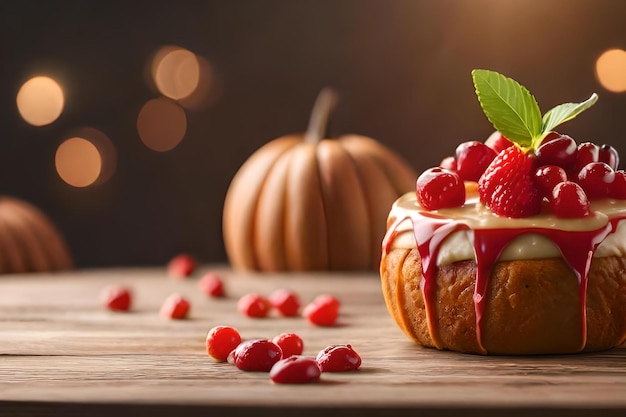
459 245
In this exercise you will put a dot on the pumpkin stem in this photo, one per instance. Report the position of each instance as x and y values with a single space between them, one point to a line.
324 105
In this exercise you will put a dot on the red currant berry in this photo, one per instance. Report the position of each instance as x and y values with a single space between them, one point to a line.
438 188
550 136
175 307
618 188
323 311
498 142
295 370
596 179
290 343
338 358
256 355
254 305
587 152
449 163
221 341
117 298
211 285
568 200
472 158
181 266
546 177
286 302
560 151
609 156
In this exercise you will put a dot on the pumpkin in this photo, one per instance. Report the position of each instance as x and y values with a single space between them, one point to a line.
29 242
305 202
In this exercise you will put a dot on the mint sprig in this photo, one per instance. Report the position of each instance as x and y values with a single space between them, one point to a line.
514 111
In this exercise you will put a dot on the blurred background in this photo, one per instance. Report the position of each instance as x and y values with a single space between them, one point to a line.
124 121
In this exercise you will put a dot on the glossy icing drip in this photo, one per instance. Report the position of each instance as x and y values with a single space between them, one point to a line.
430 230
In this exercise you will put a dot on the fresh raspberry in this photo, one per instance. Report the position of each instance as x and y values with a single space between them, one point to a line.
507 186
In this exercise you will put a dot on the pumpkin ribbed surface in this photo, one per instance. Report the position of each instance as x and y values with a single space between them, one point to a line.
29 242
295 205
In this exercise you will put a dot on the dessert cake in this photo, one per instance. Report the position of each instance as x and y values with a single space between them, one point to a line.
515 245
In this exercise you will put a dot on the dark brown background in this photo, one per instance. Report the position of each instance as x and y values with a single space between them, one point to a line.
402 68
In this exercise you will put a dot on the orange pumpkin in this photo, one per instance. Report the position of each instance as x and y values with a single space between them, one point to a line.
29 242
305 202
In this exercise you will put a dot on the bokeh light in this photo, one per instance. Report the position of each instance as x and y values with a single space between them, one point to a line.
106 149
176 72
40 101
611 70
208 90
161 124
78 162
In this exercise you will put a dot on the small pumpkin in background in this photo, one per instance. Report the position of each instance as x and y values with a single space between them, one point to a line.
29 242
305 202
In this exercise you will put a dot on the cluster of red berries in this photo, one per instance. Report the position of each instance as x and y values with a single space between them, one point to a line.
281 356
514 182
322 311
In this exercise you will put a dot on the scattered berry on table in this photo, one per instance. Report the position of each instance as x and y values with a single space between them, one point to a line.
212 285
290 343
338 358
181 266
295 370
117 298
323 310
286 302
254 305
175 307
221 341
256 355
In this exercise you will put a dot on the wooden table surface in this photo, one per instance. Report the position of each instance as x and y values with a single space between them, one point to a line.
61 353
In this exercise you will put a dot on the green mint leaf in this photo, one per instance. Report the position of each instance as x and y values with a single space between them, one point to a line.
566 111
509 106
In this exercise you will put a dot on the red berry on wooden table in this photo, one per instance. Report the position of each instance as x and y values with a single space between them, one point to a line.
212 285
221 341
295 370
290 343
254 305
286 302
117 298
338 358
181 266
256 355
175 307
322 311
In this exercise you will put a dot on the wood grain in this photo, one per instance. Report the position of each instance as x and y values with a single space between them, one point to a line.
61 353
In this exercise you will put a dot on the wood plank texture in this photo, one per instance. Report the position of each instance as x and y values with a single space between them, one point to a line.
61 353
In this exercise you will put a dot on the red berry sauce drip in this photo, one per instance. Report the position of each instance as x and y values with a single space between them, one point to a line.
576 247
